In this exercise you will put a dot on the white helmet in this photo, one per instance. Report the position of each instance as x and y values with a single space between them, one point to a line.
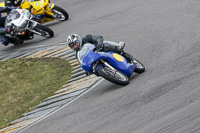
74 41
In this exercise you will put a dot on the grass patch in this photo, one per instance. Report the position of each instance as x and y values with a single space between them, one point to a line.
24 83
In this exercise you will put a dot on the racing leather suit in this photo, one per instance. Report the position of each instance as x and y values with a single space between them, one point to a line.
105 47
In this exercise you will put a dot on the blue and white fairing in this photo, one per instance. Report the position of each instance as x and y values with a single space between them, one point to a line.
17 17
87 57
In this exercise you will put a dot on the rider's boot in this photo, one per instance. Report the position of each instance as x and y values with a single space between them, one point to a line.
108 47
4 40
128 57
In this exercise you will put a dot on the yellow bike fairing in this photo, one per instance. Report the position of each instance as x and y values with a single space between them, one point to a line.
2 4
40 7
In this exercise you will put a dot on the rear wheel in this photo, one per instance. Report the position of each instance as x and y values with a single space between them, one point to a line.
18 42
139 66
113 76
45 31
59 13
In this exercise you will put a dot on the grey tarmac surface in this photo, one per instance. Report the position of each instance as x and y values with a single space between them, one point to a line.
165 36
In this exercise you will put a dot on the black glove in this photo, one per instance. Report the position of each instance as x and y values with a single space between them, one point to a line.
99 47
121 51
9 29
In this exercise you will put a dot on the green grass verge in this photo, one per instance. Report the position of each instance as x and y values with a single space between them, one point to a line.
25 83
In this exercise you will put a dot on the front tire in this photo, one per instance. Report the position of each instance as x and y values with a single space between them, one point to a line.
45 31
116 77
60 14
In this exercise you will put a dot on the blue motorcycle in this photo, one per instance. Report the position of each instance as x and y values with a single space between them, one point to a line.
110 65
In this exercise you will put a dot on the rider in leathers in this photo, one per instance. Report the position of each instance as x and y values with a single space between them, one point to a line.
76 42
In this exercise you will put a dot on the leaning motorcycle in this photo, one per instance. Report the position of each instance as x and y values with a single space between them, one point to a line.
110 65
44 11
19 27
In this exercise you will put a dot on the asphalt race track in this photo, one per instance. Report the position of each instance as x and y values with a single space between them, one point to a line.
165 36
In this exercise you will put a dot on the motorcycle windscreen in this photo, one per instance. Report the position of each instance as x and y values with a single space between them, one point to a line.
12 16
84 50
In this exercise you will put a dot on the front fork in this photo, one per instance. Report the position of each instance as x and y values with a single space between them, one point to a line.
38 33
32 24
97 65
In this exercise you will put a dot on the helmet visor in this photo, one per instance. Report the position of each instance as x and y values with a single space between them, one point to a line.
76 45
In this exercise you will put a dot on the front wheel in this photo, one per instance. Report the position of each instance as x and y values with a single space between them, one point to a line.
113 76
59 13
44 31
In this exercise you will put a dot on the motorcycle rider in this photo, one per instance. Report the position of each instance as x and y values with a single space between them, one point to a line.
75 42
3 39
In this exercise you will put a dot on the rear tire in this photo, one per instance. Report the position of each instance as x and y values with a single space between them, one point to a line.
18 42
46 32
139 67
108 74
60 13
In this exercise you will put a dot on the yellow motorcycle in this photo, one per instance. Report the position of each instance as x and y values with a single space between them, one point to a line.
43 10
